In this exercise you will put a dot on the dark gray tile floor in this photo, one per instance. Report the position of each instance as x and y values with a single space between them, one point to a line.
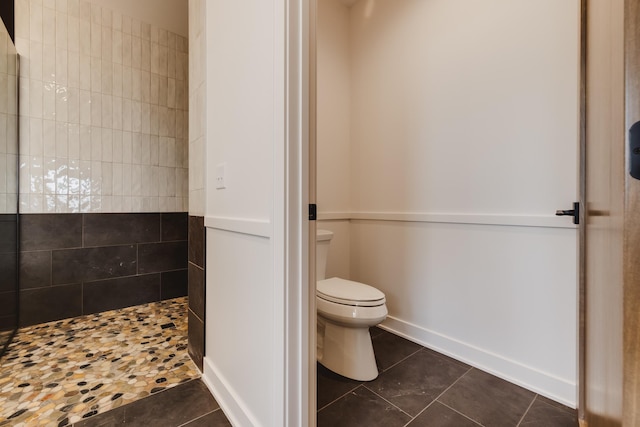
185 405
418 387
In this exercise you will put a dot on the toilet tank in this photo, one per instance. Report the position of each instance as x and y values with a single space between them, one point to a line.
323 239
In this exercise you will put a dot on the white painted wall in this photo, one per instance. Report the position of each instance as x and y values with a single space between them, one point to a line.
333 153
501 298
463 142
333 107
240 126
447 94
240 363
339 258
240 129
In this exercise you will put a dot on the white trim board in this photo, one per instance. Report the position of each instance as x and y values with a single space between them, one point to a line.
253 227
334 216
230 402
545 221
554 388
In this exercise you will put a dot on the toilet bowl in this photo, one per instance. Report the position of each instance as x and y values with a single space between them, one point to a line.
346 310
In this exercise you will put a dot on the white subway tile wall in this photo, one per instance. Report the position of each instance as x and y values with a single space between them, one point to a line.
197 93
8 125
104 112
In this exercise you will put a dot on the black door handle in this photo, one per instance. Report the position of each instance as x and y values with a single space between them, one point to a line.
575 212
634 150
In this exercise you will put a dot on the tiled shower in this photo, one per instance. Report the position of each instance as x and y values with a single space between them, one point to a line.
103 130
103 164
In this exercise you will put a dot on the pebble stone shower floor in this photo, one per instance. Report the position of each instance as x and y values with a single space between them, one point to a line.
58 373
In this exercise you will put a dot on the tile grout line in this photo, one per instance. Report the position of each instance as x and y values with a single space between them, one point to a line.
340 397
82 226
199 417
402 360
458 412
390 403
425 408
454 383
439 396
137 259
363 384
194 313
137 400
527 411
419 413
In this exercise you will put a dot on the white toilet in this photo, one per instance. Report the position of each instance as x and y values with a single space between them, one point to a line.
346 310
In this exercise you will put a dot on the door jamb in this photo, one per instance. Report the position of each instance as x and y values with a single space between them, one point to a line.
582 180
312 171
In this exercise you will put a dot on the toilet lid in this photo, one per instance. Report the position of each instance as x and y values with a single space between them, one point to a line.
347 292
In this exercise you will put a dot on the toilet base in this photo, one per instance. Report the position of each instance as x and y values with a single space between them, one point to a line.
346 350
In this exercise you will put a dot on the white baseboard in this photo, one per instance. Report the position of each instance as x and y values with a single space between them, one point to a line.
557 389
231 404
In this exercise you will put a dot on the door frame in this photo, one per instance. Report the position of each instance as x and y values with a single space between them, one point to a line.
610 380
295 259
311 20
631 246
582 198
312 169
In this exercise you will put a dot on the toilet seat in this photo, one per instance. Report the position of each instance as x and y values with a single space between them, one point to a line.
348 292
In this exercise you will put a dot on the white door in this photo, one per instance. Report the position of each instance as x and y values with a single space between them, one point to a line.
448 136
